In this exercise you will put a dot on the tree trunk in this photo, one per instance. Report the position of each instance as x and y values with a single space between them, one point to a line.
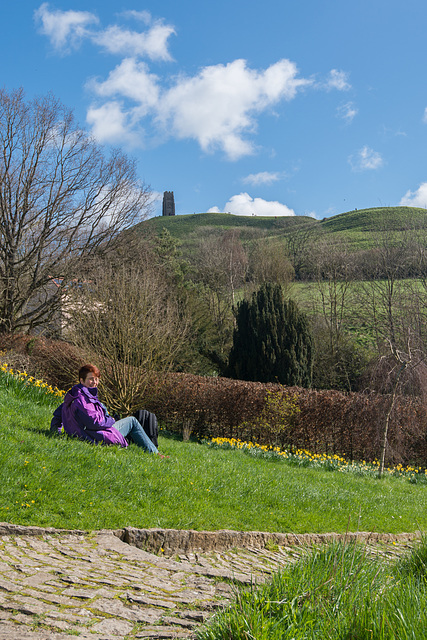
387 419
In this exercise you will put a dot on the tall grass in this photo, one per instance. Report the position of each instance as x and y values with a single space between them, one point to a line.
334 593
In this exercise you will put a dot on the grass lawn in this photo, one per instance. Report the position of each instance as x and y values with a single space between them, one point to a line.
61 482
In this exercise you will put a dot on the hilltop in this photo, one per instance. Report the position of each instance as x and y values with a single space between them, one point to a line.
357 227
183 225
368 220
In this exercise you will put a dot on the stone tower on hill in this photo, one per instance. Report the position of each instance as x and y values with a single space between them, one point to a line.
168 204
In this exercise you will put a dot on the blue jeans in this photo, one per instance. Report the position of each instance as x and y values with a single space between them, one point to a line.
130 427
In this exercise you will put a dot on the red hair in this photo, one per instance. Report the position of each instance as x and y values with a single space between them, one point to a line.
86 369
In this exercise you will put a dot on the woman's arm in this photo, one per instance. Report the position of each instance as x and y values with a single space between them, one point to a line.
91 417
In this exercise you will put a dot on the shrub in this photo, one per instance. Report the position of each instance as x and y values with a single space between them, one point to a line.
54 361
272 341
278 417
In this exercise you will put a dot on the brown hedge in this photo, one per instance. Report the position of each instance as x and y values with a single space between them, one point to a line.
54 361
349 424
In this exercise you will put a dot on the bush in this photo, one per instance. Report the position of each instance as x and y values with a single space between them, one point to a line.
54 361
272 340
278 417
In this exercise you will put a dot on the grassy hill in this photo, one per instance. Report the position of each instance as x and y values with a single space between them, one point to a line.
63 482
371 220
357 227
183 225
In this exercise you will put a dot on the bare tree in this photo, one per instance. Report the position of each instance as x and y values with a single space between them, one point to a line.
300 238
268 262
130 320
400 362
236 261
337 358
334 275
220 265
221 262
61 200
416 286
385 292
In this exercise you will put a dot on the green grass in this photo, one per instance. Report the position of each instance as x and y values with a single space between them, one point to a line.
183 225
62 482
374 219
334 593
357 228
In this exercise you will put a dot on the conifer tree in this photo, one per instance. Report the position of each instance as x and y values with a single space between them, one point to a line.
272 341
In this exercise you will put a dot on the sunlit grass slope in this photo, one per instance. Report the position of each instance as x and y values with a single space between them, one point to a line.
62 482
183 225
358 227
376 219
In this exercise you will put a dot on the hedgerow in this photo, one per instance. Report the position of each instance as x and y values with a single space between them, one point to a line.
349 424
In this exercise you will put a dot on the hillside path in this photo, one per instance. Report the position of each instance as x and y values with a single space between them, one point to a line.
58 584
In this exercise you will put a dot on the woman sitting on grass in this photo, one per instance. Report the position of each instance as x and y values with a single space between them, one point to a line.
84 416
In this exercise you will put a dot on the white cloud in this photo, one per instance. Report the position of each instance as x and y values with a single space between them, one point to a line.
130 79
218 106
264 177
425 115
416 198
110 124
244 205
153 43
347 112
143 16
65 29
337 80
366 159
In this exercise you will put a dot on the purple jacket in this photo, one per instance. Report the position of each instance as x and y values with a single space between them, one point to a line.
84 416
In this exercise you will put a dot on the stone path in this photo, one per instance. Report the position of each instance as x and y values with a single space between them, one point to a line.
55 585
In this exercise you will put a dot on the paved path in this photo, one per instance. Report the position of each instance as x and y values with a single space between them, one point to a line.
54 586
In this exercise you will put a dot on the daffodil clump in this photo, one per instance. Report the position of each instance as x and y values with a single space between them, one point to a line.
20 380
304 458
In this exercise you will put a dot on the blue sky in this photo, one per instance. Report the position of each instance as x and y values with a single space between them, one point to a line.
280 107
